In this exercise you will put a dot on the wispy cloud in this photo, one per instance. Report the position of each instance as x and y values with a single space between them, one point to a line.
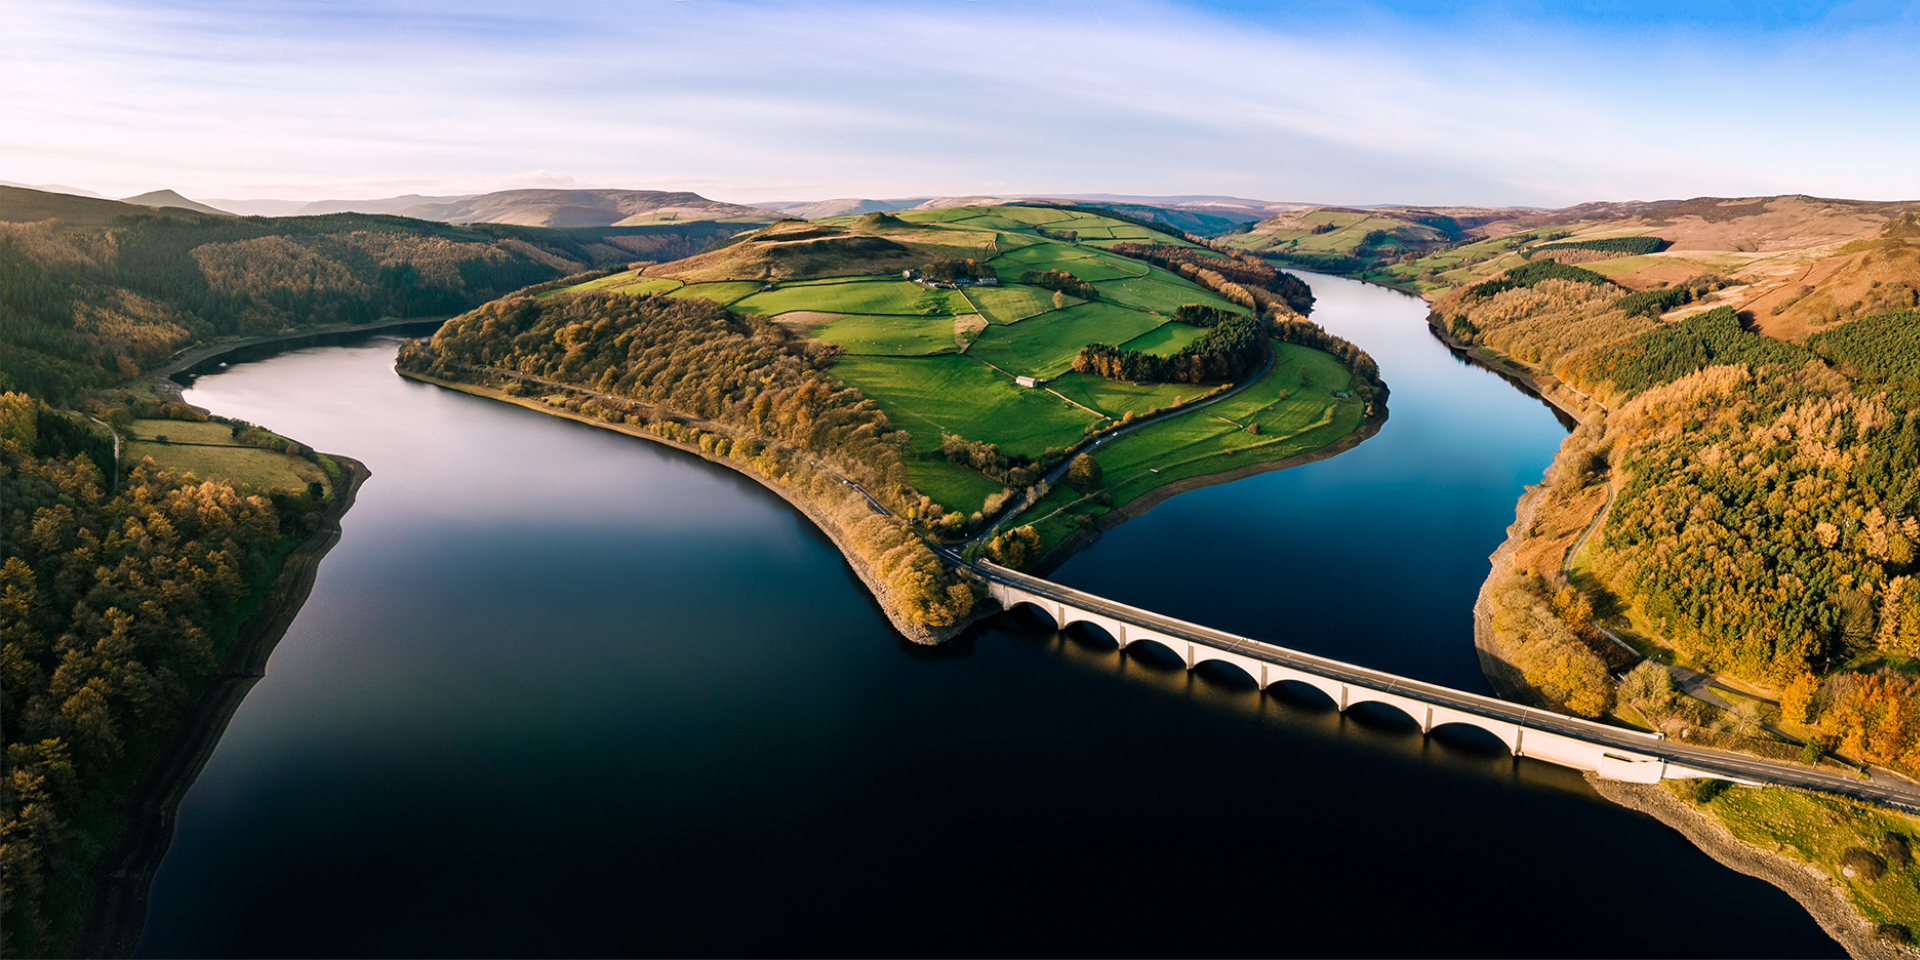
757 101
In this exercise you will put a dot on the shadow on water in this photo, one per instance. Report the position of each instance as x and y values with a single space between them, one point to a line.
561 692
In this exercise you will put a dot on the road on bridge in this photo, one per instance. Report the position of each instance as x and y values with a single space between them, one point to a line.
1883 788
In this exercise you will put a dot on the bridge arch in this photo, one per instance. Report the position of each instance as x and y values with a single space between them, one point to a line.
1475 737
1035 607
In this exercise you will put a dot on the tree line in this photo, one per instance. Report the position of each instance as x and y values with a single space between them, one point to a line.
1060 281
1632 246
693 358
115 609
1228 351
83 307
1246 271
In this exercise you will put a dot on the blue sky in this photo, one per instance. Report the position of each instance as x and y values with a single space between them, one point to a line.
1512 103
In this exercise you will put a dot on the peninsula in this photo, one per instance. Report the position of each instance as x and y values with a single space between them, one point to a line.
928 378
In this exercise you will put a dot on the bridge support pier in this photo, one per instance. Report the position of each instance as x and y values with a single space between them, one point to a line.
1607 753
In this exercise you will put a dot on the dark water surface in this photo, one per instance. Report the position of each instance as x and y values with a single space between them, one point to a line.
561 692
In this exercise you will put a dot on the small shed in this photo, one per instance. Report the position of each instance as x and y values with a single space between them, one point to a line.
1028 381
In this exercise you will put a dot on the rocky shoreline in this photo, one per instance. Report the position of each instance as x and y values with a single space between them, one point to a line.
1827 903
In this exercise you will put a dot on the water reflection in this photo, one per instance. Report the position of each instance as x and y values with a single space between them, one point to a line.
558 691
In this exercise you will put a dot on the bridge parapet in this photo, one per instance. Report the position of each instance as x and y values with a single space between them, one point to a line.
1128 626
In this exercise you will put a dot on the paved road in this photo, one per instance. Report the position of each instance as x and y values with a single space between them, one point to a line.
1881 788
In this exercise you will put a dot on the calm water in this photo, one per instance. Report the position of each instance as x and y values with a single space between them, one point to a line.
561 692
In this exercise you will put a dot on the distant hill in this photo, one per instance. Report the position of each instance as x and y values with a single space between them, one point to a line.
51 188
583 208
168 198
23 205
389 204
257 208
817 209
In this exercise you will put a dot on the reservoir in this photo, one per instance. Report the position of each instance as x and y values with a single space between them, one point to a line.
562 692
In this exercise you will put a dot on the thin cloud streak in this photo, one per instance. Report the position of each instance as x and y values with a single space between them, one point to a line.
749 101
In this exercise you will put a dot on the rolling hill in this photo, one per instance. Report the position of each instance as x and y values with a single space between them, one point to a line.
582 208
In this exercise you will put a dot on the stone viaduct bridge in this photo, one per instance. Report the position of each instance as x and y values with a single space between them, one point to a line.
1610 752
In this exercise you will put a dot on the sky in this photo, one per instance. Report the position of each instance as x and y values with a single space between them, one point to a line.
1540 104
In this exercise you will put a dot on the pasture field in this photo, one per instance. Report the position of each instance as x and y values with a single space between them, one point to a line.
890 336
722 292
631 283
1087 263
1164 340
1215 439
1160 291
1044 346
208 451
928 395
179 431
892 297
944 361
953 487
1011 303
1116 398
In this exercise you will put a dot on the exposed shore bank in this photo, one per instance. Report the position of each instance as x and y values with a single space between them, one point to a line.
1824 901
881 593
1827 903
115 911
1081 539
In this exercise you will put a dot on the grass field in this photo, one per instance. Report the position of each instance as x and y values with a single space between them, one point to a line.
955 488
1011 304
1164 340
1160 292
1116 397
724 291
877 296
1819 830
890 336
953 393
630 282
943 361
1215 439
1044 345
1087 263
183 453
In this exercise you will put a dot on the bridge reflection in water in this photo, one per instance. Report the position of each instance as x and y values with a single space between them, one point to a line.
1609 752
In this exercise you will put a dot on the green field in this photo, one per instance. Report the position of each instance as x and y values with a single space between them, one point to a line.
208 451
1164 340
630 282
1116 398
875 296
890 336
1087 263
953 393
1215 439
955 488
1044 345
1160 292
1011 304
724 291
945 360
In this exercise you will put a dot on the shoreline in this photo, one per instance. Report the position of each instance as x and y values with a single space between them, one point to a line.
1822 900
1830 908
1079 540
926 636
114 912
190 361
